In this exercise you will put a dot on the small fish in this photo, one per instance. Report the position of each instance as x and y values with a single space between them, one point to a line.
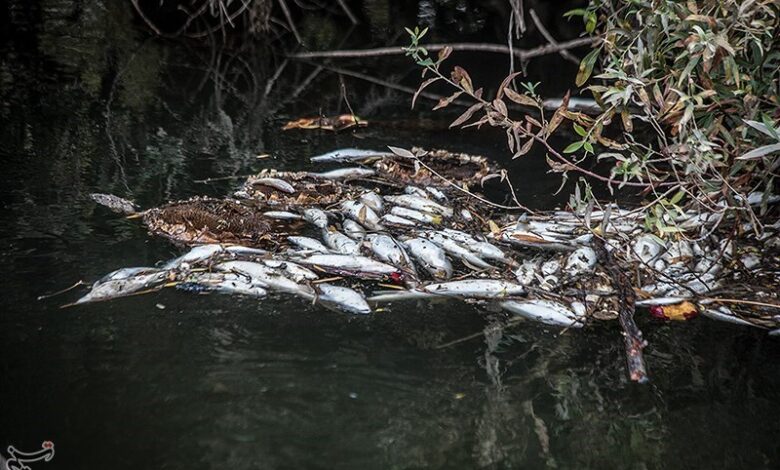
437 194
545 311
466 215
581 261
455 249
431 256
123 282
350 264
415 191
421 204
266 277
725 314
387 249
481 248
282 215
412 214
204 252
275 183
344 173
294 271
353 229
374 201
343 298
468 288
348 154
363 214
391 219
115 203
223 283
316 217
339 242
308 243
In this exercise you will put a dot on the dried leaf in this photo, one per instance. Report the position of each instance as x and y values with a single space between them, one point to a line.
444 102
462 78
505 84
524 149
401 152
521 99
466 115
558 116
424 84
444 53
500 106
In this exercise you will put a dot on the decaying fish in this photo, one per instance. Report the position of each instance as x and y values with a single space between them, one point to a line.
545 311
468 289
343 298
373 200
308 243
204 252
390 251
454 248
339 242
352 265
363 214
266 277
394 220
344 174
348 154
123 282
353 229
421 204
431 257
281 189
411 214
222 283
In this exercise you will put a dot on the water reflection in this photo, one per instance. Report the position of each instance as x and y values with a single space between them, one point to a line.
88 102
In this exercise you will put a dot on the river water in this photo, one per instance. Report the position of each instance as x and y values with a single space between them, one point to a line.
89 102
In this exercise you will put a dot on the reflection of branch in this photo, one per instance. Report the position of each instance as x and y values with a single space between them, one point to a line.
563 52
522 54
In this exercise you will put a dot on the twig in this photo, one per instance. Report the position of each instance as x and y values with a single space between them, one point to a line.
632 336
222 178
738 301
348 12
288 17
563 52
62 291
522 54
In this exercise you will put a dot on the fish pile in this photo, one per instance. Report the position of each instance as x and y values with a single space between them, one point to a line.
400 225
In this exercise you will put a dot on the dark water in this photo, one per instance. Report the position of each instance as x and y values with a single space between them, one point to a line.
90 103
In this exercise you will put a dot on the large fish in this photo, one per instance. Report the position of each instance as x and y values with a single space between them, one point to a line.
123 282
266 277
339 242
454 248
363 214
419 203
431 257
545 311
351 265
348 154
468 288
387 249
342 298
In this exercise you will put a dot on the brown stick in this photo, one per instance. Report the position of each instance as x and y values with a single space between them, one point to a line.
522 54
563 52
632 336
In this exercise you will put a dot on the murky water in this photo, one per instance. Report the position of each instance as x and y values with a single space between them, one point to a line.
172 380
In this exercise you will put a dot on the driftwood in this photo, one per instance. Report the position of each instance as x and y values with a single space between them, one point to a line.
632 336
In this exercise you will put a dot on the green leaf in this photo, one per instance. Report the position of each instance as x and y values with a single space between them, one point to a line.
677 197
580 130
574 146
760 152
586 66
588 146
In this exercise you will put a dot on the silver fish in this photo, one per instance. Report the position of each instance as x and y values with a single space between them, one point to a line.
316 217
344 173
123 282
581 261
415 191
308 243
275 183
363 214
349 264
266 277
343 298
203 252
545 311
431 257
391 219
373 200
468 288
348 154
223 283
481 248
421 204
412 214
454 248
437 194
282 215
294 271
387 249
353 229
339 242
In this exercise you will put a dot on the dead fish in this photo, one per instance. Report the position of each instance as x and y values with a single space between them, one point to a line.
387 249
353 229
282 215
275 183
580 261
373 200
123 282
316 217
457 250
344 173
308 243
266 277
481 248
203 252
418 216
342 298
431 257
421 204
468 288
339 242
415 191
436 193
294 271
725 314
222 283
466 215
115 203
350 264
545 311
392 219
348 154
363 214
